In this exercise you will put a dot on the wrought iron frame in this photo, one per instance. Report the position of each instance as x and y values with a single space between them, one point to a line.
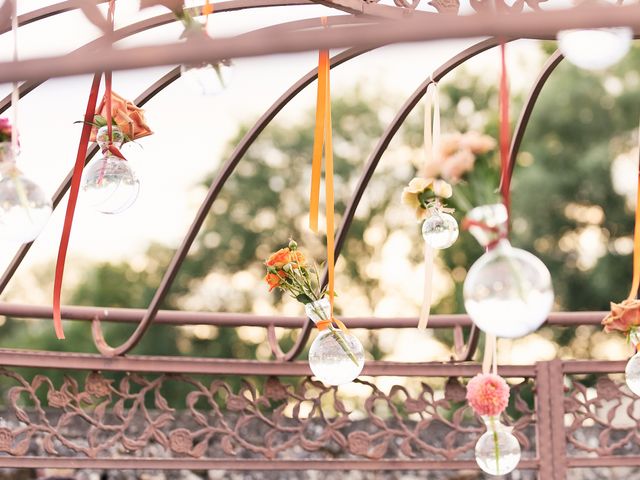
367 26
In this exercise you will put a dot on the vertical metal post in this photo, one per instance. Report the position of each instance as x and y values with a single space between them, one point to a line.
543 422
551 436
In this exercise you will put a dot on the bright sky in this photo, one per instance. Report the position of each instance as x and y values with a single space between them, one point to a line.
191 130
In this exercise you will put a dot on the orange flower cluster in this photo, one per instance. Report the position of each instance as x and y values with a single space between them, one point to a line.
276 263
623 317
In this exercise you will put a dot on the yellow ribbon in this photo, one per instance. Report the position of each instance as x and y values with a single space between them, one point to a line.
432 149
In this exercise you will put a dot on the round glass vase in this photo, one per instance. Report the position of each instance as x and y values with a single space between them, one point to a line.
497 450
335 357
24 207
507 291
439 230
109 183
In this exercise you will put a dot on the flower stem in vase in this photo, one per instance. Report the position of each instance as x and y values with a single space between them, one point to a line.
496 442
337 335
335 332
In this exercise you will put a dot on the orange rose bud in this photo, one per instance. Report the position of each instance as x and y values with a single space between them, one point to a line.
623 316
279 259
273 280
298 259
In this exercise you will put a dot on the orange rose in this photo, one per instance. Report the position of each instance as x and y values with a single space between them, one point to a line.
129 118
623 317
273 280
279 259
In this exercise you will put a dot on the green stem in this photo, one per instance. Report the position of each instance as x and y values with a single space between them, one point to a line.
496 444
337 336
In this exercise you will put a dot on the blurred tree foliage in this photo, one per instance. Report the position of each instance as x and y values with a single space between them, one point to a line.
563 204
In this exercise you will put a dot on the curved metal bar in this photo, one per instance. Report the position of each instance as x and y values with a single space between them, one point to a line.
529 25
518 134
46 12
374 159
212 194
125 32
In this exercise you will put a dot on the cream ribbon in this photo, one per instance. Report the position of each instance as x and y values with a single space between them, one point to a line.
431 149
490 357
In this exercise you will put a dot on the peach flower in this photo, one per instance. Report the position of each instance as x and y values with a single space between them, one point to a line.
623 316
129 118
476 142
274 280
455 166
488 394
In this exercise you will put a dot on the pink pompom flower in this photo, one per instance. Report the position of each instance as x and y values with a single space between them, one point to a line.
488 394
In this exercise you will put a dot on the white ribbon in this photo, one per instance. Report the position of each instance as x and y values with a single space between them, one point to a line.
15 94
490 357
431 149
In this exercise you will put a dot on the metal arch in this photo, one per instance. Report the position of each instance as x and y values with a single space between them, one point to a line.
125 32
372 163
212 194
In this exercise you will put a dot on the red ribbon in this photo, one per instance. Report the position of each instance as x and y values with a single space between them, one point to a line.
77 177
73 200
505 133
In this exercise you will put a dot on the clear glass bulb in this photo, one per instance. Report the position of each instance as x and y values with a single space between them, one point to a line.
109 184
507 291
330 363
335 357
595 49
24 207
632 370
440 230
497 450
207 79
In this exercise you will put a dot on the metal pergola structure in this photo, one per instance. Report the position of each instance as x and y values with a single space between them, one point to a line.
210 436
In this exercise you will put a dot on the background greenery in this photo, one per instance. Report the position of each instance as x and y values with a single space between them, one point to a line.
562 197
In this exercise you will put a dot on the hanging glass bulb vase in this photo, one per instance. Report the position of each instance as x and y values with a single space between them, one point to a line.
24 207
497 450
109 183
632 370
595 48
335 357
440 230
508 291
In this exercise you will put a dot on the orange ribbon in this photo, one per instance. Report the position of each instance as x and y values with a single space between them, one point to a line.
635 284
323 138
319 138
206 11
